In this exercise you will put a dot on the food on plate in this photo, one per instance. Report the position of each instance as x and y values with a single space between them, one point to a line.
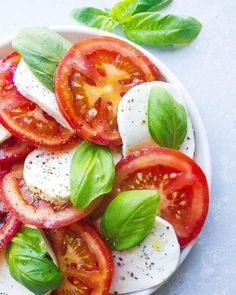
30 263
89 90
99 190
138 110
149 263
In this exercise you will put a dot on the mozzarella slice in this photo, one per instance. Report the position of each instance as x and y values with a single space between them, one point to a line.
4 134
29 86
47 173
148 264
133 119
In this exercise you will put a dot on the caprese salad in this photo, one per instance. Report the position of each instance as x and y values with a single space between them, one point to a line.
99 190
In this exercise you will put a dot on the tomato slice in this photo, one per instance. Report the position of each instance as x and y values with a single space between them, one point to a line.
29 122
29 208
13 150
9 225
23 118
8 67
83 258
91 80
182 184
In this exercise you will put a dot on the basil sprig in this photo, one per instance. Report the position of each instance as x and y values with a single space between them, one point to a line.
95 18
91 174
167 119
30 264
161 29
129 218
140 22
42 50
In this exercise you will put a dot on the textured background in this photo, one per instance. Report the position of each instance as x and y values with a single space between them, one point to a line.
208 70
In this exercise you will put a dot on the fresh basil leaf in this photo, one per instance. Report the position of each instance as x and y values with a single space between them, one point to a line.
91 174
161 29
145 5
123 10
129 218
167 119
42 50
29 263
95 18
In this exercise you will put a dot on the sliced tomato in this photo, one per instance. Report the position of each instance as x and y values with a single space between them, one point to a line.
29 122
182 184
9 225
29 208
83 258
91 80
13 150
23 118
8 67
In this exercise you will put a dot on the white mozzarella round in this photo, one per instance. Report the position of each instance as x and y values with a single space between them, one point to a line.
29 86
47 172
4 134
133 119
148 264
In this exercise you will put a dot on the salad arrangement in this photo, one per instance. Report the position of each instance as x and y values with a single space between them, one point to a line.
99 190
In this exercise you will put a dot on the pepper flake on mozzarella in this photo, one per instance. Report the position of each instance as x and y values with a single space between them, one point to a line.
133 119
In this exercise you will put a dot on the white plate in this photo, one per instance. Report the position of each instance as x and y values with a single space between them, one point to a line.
202 153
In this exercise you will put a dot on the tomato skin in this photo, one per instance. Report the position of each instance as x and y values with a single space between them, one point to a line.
86 57
9 225
13 150
182 184
100 254
27 208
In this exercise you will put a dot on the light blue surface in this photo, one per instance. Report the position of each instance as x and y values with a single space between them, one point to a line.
207 68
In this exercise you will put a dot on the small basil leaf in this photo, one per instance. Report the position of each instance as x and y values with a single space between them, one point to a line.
161 29
145 5
123 10
167 119
29 263
42 50
95 18
129 218
91 174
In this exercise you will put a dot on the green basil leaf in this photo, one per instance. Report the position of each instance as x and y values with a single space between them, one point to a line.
30 264
95 18
167 119
42 50
161 29
123 10
129 218
145 5
91 174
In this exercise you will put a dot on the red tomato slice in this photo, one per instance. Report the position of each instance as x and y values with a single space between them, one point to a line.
13 150
8 67
91 80
27 121
9 225
182 184
23 118
29 208
83 258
